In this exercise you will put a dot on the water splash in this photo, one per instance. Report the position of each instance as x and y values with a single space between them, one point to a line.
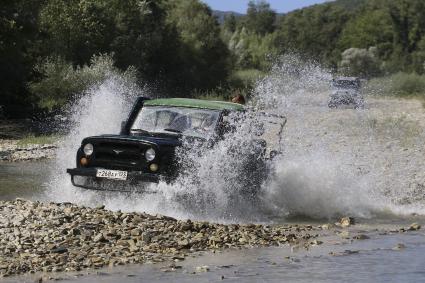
333 161
99 111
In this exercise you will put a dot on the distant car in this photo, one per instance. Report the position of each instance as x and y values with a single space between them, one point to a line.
346 91
145 149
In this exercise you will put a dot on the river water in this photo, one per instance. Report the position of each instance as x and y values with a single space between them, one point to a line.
373 260
23 179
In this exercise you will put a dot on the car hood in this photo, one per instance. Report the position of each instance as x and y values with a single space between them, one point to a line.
171 140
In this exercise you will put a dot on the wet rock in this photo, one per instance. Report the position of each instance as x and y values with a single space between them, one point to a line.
399 247
316 243
203 268
344 234
414 227
53 237
59 250
327 226
344 253
361 237
346 221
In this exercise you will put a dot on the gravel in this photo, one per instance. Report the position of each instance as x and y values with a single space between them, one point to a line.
45 237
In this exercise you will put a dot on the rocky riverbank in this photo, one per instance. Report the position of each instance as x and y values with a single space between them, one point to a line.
11 150
40 237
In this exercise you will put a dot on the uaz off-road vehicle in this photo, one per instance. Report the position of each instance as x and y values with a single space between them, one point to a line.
145 149
346 91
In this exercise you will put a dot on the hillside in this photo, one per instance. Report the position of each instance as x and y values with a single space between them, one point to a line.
221 15
349 4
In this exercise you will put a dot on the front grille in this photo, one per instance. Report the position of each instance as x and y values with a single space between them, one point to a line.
115 154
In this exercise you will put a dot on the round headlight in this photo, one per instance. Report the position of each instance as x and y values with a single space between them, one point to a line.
150 154
88 149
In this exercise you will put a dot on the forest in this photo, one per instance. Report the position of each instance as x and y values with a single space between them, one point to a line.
52 50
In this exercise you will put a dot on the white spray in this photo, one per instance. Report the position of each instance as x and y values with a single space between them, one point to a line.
322 172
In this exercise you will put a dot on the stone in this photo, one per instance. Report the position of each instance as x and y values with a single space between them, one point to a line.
99 237
183 244
316 242
327 226
414 227
344 234
215 239
346 221
361 237
399 247
146 237
55 237
59 250
136 232
202 268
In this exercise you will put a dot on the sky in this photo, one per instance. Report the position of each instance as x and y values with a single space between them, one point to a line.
280 6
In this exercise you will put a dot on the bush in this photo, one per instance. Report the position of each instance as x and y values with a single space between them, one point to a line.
61 81
245 78
400 84
360 62
252 50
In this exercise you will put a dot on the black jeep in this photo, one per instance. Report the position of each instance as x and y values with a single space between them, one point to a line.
145 149
346 91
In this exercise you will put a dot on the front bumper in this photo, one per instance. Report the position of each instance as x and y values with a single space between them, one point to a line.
87 179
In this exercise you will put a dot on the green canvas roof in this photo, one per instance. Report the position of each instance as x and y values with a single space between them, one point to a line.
194 103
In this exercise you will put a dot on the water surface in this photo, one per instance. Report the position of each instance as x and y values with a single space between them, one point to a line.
23 179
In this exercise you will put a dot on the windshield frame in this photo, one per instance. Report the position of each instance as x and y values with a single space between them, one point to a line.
170 131
346 84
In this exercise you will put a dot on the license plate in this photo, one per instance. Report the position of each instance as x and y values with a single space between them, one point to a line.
111 174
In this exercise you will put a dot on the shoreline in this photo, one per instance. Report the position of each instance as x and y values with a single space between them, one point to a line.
12 151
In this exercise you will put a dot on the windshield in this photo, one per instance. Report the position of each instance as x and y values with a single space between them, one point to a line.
187 121
346 84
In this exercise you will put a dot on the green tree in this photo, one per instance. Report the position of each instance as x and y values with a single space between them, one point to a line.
144 39
230 23
61 81
18 48
253 51
76 29
313 32
371 27
260 17
408 25
418 57
203 53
